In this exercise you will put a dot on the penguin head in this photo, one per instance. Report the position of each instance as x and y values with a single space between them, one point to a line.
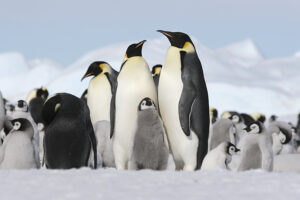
42 92
179 40
273 118
259 117
235 117
254 128
21 124
51 108
231 149
134 50
156 69
96 68
21 105
213 114
9 108
145 104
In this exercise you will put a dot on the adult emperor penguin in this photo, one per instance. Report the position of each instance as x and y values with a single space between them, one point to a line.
100 90
256 148
156 74
134 84
17 151
220 156
84 95
35 101
183 102
69 136
149 148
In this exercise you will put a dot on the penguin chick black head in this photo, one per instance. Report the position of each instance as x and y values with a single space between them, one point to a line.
179 40
235 117
42 92
97 68
134 50
156 69
21 106
254 127
9 107
145 104
273 118
231 149
21 124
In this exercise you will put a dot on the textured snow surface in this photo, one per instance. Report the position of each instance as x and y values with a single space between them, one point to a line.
112 184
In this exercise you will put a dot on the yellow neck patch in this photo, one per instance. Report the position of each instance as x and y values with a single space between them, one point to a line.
104 68
157 70
188 47
56 107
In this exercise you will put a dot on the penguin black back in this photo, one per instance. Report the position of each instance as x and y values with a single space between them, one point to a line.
36 104
69 135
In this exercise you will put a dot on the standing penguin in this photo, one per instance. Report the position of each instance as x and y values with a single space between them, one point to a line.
256 148
149 149
219 157
156 74
69 136
100 90
134 84
17 151
35 101
183 102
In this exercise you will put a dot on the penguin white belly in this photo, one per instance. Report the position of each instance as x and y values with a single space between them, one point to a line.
134 84
184 149
99 97
214 160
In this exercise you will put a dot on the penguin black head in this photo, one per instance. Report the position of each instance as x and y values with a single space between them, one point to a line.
235 117
214 114
42 92
22 106
9 108
179 39
134 50
146 103
254 127
273 118
21 124
96 68
51 108
231 149
156 69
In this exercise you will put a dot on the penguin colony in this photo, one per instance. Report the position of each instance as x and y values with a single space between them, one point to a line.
136 119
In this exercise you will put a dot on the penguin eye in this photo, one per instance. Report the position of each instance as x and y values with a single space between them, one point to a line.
253 126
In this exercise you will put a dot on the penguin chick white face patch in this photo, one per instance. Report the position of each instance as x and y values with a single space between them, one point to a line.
17 125
146 103
282 137
254 128
235 119
231 149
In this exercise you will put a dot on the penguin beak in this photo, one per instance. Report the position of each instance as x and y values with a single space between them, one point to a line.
237 150
166 33
86 75
140 44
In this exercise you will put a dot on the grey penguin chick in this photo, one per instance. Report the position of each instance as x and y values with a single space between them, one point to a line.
149 149
256 148
17 151
219 157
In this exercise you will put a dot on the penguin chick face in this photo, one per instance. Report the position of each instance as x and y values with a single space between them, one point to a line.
21 124
273 118
9 107
42 92
134 50
96 68
145 104
235 118
21 106
231 149
179 40
254 128
156 69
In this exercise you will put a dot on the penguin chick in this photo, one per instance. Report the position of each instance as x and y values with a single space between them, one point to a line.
17 151
256 148
281 133
149 149
220 156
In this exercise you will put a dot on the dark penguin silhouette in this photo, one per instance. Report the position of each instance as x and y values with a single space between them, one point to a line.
36 104
69 135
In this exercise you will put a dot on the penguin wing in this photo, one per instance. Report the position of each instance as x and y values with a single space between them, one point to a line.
113 85
193 105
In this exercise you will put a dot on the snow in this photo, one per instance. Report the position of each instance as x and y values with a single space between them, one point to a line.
112 184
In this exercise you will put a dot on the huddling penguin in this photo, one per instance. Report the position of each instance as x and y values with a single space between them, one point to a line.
149 148
156 74
219 157
100 95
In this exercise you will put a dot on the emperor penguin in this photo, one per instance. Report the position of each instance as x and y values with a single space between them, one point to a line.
84 95
221 131
259 117
100 90
149 149
281 133
17 151
219 157
69 136
35 101
183 102
213 114
134 83
256 148
156 73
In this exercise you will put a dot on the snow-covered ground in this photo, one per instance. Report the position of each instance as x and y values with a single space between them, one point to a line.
238 76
